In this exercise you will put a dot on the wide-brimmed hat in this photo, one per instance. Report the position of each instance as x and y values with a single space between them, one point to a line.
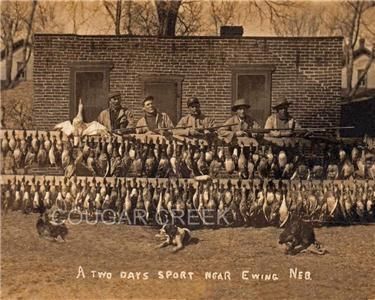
193 101
283 103
114 94
238 103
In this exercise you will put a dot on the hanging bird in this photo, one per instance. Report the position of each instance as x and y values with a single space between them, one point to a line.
242 163
12 141
216 164
17 154
5 143
164 167
35 142
91 163
229 163
202 165
41 156
150 163
102 161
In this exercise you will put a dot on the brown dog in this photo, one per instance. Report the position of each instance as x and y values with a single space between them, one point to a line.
173 235
299 236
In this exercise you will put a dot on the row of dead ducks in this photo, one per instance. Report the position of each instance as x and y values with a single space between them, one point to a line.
244 202
161 160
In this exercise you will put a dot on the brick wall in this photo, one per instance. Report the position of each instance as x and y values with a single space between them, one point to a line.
308 71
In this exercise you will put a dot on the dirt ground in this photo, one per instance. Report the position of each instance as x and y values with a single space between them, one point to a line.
34 268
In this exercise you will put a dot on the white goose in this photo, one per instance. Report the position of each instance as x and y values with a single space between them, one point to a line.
78 128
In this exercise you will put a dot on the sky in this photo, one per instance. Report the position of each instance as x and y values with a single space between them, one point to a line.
97 20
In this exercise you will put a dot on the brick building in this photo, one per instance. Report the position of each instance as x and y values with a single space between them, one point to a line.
215 69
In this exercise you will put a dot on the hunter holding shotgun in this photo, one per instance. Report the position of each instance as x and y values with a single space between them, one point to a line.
195 124
239 124
281 121
115 117
153 120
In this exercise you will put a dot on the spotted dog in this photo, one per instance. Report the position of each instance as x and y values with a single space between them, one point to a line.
173 235
49 230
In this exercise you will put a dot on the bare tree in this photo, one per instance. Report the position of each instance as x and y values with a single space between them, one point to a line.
12 25
115 11
223 13
16 26
273 11
19 113
167 12
303 20
241 12
46 18
26 53
146 20
349 21
189 19
79 13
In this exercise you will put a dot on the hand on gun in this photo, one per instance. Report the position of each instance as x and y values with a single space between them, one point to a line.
196 132
241 133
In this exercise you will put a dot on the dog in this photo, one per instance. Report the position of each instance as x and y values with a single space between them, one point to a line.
50 230
299 236
174 235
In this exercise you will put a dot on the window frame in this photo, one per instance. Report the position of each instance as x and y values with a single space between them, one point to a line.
156 78
359 73
86 67
19 65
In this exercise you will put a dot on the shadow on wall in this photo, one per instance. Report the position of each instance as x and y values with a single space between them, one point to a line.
17 104
361 115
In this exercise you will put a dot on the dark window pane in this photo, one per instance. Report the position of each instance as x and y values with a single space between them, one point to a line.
253 89
23 73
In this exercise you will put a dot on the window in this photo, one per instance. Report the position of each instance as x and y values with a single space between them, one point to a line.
89 82
23 73
363 82
253 83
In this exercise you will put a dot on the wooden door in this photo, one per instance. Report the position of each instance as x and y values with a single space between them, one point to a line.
90 87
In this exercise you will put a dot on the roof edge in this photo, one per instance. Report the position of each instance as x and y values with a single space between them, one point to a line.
189 37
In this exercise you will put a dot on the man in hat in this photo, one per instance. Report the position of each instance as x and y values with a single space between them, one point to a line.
195 124
281 120
237 125
153 120
115 117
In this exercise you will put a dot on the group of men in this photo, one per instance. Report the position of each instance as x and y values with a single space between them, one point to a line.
196 124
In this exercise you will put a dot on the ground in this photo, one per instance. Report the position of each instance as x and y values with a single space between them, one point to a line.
36 268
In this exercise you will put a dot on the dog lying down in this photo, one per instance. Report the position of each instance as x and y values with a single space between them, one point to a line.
50 231
299 237
177 236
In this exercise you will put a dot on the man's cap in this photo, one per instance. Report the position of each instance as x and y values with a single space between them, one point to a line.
282 104
193 101
238 103
114 94
147 98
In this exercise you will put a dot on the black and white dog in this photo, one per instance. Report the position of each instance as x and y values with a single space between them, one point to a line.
176 236
50 230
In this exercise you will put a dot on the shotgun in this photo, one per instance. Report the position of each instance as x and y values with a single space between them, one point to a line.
297 130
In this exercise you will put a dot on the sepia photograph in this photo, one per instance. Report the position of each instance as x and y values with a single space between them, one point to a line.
187 149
